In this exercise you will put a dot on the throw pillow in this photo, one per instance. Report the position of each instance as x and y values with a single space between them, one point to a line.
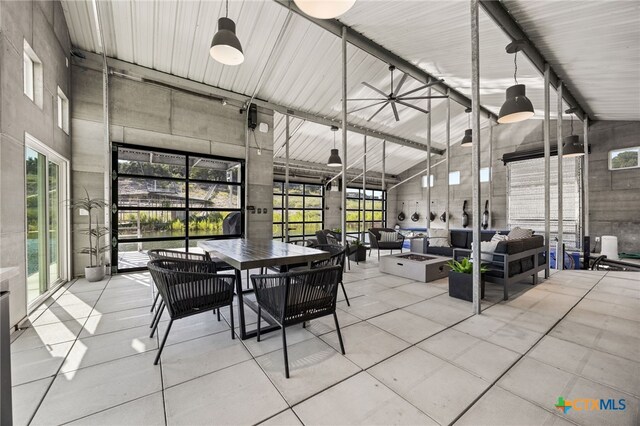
439 238
388 237
486 250
332 240
499 237
518 233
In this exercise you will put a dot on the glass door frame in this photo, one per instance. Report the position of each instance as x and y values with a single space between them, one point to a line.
64 217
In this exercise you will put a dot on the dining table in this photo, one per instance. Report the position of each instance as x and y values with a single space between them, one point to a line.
245 254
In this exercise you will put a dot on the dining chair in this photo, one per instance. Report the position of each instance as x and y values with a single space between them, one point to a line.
295 297
338 256
190 287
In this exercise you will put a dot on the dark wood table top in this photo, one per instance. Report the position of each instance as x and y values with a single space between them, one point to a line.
248 254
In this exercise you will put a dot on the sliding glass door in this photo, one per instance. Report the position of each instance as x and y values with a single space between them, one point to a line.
44 210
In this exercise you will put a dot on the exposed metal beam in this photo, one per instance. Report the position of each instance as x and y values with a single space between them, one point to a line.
585 177
351 172
500 15
428 162
365 44
127 69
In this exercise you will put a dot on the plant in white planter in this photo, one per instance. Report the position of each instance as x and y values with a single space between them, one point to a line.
96 269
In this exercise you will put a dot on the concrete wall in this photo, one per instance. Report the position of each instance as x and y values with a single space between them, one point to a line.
43 26
614 196
506 138
149 114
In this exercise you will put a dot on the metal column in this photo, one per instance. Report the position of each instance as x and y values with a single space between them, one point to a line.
490 222
286 180
384 182
559 248
585 176
364 188
6 417
448 155
547 165
475 154
428 216
343 221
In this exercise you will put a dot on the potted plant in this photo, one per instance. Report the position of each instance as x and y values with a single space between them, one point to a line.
96 269
461 279
357 251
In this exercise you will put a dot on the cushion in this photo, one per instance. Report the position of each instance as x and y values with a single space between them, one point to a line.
332 240
518 233
459 239
388 237
499 237
486 248
439 238
440 251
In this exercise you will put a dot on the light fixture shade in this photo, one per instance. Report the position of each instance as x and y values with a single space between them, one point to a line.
334 159
467 140
324 9
517 106
572 147
225 47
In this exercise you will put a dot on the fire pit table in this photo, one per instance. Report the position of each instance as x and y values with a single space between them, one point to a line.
415 266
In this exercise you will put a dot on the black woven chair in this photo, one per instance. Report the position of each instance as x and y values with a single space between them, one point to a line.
178 255
338 256
189 288
295 297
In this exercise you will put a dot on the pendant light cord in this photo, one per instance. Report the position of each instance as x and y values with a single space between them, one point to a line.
571 124
515 65
226 14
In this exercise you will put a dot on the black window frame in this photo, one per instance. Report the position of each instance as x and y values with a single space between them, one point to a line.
187 209
372 210
304 209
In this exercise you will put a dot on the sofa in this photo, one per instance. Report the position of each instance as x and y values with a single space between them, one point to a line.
461 239
375 243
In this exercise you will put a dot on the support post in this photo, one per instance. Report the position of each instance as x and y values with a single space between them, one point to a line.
585 176
475 154
384 181
490 222
428 215
547 165
447 159
286 180
364 188
343 221
559 248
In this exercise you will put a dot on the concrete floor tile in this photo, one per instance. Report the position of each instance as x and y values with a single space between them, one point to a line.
409 327
38 363
398 299
423 290
326 324
272 341
286 418
365 307
145 411
26 398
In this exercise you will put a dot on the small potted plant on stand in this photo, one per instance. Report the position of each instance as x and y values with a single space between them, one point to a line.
461 279
357 251
96 269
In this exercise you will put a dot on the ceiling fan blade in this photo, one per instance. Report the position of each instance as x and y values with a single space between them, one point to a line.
365 107
367 99
376 113
373 88
421 87
395 111
413 106
402 80
404 98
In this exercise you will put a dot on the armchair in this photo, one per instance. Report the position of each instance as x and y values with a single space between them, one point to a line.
376 243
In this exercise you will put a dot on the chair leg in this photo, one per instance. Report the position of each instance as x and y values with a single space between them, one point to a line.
164 340
218 310
286 355
506 292
155 326
259 321
155 315
335 318
345 294
348 263
155 300
378 254
233 334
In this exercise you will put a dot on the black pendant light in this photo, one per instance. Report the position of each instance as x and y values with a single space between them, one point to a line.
517 107
467 140
571 146
334 158
225 47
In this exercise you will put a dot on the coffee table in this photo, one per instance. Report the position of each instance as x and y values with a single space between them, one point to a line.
415 266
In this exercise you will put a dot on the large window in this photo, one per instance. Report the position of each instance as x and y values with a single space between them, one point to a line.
375 207
172 199
305 210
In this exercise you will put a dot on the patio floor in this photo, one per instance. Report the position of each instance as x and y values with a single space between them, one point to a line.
414 356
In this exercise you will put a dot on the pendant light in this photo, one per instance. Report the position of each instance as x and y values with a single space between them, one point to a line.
225 47
572 147
517 107
334 158
324 9
467 140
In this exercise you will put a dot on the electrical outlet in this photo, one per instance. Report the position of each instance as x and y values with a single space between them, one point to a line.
597 239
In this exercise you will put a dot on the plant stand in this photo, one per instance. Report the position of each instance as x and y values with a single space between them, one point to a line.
461 286
359 253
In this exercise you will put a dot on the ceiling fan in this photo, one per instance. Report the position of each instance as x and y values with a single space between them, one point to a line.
395 97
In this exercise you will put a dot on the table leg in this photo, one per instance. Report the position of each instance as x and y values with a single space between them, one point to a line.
243 330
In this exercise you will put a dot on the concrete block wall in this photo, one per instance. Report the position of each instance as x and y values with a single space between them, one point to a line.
614 196
43 26
144 113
